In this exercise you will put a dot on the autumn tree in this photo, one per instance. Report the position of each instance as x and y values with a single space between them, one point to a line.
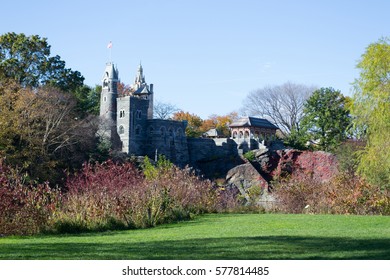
371 112
194 123
40 131
123 89
221 123
27 60
326 118
282 104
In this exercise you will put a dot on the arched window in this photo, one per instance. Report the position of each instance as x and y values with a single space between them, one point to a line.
138 130
246 134
162 131
121 129
151 130
234 134
121 114
139 114
240 135
170 131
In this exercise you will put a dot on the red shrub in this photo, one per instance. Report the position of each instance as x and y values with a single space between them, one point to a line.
108 193
25 209
344 194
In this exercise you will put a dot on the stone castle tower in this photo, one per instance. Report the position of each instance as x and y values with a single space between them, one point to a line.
127 120
141 88
108 104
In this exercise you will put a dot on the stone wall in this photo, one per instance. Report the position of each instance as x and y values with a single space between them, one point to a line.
167 137
213 157
206 149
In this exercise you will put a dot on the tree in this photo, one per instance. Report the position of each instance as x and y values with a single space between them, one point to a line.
371 112
282 104
326 118
40 131
221 123
164 110
194 123
88 100
27 61
123 90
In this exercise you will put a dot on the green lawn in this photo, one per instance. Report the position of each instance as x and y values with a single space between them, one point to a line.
233 236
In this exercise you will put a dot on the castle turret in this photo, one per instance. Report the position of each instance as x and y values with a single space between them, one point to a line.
108 103
142 90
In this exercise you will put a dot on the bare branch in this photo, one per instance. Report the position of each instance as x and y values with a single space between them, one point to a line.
281 104
164 110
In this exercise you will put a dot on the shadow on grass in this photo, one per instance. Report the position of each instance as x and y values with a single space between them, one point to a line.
265 247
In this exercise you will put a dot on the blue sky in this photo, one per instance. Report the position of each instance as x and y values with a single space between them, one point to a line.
205 56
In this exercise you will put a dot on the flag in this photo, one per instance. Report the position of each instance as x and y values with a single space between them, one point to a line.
109 46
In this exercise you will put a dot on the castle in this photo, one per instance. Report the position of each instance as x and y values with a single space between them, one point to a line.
127 124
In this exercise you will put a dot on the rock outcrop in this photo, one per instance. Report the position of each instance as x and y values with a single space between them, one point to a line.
268 164
245 176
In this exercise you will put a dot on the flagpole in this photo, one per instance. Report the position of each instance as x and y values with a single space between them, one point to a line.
109 47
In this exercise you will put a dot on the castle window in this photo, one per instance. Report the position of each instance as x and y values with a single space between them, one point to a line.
162 131
139 114
138 130
170 131
121 129
121 113
151 130
104 98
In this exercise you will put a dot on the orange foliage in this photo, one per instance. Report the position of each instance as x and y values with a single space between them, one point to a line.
221 123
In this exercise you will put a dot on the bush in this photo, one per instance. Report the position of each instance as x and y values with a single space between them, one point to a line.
25 208
348 155
99 195
250 155
181 193
344 194
110 195
227 199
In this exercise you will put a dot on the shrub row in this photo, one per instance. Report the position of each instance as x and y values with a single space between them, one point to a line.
110 195
105 196
344 194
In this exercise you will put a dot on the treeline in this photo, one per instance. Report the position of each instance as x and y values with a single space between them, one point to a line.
48 119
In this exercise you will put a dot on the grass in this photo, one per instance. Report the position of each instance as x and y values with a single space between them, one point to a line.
226 236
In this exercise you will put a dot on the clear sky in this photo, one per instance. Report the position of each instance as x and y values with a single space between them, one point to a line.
205 56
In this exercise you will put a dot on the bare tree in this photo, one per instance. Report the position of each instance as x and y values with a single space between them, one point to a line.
282 104
164 110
